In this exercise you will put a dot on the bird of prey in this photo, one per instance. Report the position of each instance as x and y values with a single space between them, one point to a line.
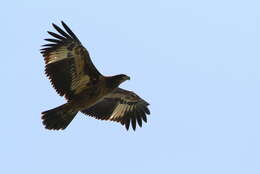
74 76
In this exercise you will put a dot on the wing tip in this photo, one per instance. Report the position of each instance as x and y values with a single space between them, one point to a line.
63 23
54 25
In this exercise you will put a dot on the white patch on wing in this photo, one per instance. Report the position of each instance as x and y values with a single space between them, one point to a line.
116 112
58 55
122 111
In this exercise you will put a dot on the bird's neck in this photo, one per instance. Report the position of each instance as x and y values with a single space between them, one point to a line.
113 82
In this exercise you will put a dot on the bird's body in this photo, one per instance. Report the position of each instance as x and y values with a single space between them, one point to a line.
73 75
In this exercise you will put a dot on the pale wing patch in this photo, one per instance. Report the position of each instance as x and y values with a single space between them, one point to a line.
117 112
120 111
113 115
60 54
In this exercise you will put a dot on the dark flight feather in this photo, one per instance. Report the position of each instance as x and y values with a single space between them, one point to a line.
105 109
63 33
68 64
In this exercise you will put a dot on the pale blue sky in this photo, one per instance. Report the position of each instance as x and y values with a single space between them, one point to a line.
196 63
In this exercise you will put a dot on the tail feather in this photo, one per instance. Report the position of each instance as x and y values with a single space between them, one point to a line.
58 118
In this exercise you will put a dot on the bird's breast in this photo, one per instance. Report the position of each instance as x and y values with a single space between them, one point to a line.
89 97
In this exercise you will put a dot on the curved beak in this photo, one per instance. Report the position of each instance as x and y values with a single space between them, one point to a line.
127 78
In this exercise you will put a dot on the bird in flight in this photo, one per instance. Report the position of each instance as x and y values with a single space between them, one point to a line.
74 76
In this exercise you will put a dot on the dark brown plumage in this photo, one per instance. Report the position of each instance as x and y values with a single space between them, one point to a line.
73 75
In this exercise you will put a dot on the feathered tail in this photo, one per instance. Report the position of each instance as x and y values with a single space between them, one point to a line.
59 117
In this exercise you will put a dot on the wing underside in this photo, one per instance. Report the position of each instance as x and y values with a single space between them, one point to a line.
121 106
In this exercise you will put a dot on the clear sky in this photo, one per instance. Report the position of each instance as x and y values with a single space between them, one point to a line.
196 63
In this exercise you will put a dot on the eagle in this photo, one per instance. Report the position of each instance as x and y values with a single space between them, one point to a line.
73 75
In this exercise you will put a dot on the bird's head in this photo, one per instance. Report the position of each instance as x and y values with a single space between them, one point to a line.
121 78
116 80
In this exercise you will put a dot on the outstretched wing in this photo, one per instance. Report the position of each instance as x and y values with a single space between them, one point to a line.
68 64
121 106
